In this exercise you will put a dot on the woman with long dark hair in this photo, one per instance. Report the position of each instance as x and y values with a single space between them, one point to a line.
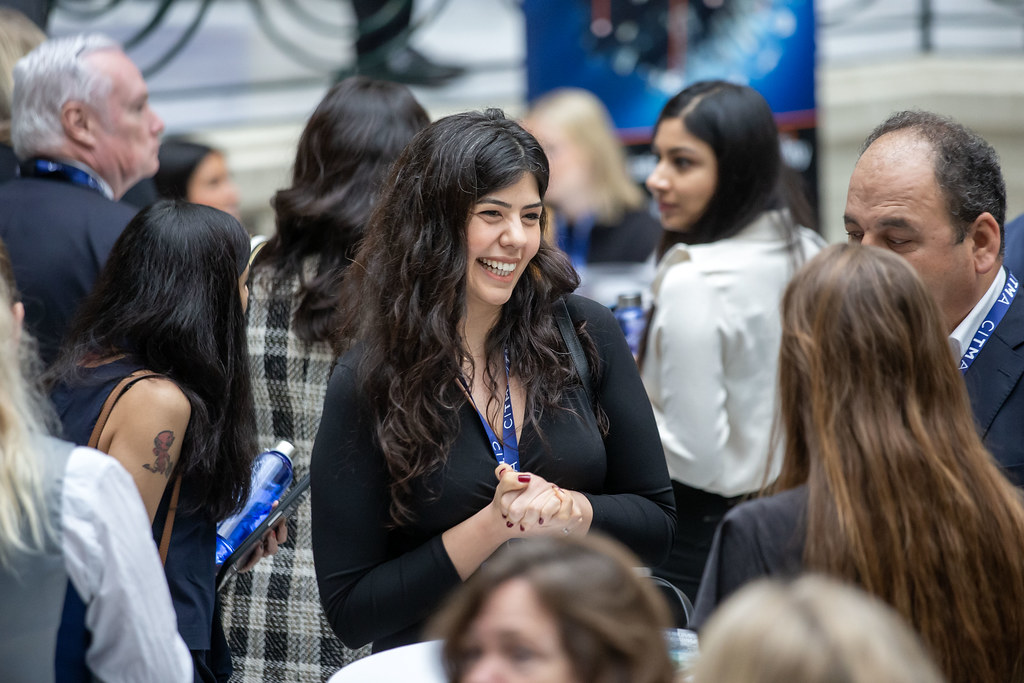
193 172
729 244
459 377
885 482
359 128
171 300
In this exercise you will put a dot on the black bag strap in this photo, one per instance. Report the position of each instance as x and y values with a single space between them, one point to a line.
112 398
572 342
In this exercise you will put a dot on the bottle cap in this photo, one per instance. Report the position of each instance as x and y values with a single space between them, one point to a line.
630 300
285 448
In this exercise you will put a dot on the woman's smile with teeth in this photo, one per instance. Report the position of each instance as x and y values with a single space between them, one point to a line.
498 267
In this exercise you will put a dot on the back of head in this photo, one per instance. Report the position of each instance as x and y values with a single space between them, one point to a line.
611 619
178 161
52 74
357 130
814 630
966 166
872 407
172 272
169 296
737 123
583 118
863 346
18 36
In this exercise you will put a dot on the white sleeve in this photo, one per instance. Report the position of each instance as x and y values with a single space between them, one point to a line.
113 563
686 355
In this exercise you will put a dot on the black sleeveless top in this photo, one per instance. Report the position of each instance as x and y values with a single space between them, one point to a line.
190 568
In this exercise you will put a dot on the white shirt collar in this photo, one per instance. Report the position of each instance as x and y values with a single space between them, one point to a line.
765 228
961 336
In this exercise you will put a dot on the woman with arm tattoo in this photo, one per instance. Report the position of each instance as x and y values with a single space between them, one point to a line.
171 300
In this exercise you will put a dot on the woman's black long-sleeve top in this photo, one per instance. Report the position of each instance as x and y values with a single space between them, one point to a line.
380 584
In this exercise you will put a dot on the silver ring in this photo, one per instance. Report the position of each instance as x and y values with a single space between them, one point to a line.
565 531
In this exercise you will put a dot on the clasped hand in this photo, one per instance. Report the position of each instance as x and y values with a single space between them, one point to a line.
530 505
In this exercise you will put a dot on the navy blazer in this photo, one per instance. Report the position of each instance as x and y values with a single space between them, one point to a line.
58 236
997 393
1013 245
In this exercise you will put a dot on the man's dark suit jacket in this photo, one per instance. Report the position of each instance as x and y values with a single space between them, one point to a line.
997 392
59 236
8 163
1013 246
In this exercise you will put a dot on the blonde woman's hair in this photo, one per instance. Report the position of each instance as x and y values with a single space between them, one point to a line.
586 122
24 525
813 630
18 36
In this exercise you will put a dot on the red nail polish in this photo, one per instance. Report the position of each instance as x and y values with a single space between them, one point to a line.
522 528
540 521
508 524
524 478
504 516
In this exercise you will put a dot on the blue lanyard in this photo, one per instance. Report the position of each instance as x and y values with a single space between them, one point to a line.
44 168
988 325
506 451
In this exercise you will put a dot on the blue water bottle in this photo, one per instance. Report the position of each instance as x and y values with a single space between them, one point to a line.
630 314
271 475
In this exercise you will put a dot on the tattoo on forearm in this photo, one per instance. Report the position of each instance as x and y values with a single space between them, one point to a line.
162 451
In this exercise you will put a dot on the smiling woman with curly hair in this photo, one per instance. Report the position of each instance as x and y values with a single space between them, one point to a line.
459 377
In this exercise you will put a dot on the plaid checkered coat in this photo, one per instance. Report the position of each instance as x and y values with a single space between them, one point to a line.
272 615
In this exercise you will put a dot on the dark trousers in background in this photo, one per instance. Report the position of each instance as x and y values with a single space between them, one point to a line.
368 10
698 513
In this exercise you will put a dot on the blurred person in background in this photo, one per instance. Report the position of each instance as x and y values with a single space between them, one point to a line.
18 37
813 630
358 129
731 240
600 215
554 610
71 520
884 482
84 133
194 172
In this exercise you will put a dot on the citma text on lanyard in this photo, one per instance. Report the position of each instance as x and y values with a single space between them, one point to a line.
506 451
988 325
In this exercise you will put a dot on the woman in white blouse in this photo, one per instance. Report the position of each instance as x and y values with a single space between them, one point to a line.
730 243
71 519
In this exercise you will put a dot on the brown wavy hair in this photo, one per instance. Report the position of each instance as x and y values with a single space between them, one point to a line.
405 296
903 498
611 619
